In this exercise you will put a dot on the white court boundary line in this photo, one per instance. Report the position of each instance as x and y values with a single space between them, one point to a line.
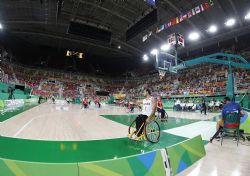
23 127
182 131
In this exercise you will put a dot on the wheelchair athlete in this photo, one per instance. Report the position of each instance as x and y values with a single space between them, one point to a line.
160 109
147 115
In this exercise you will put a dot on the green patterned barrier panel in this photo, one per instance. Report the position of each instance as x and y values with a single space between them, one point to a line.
185 154
2 104
154 163
245 122
168 104
148 164
20 168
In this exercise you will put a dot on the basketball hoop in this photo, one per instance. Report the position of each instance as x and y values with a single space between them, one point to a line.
162 74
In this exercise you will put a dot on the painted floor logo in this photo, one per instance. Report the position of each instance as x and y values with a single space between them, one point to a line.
14 103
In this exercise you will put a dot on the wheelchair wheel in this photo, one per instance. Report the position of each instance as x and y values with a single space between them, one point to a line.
165 117
152 132
132 127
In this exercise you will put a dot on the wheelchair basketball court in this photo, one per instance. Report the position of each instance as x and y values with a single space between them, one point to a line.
100 134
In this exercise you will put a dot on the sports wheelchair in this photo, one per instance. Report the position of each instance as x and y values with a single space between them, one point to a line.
151 131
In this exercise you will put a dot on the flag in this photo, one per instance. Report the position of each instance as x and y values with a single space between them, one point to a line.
169 24
205 6
161 28
190 14
211 2
202 9
144 38
157 30
193 12
173 21
197 9
181 18
184 16
166 26
177 20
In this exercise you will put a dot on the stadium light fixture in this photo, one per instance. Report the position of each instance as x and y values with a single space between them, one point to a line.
194 36
212 29
154 52
145 57
119 47
165 47
247 17
1 26
230 22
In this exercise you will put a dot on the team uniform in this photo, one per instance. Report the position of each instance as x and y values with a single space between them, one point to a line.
85 103
147 109
130 107
160 109
97 101
229 108
203 107
53 99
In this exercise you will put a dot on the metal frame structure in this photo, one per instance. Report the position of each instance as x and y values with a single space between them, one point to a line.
217 58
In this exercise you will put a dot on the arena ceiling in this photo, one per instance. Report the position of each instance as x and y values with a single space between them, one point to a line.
38 22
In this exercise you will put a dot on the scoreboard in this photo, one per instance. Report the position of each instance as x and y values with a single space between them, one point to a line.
77 54
176 40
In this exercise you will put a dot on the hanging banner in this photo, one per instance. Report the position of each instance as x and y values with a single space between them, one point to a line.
174 21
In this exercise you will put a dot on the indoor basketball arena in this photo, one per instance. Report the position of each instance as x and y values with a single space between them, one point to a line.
124 88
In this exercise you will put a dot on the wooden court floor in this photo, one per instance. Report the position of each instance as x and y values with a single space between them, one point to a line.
57 122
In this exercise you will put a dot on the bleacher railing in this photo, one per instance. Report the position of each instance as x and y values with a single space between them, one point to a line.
245 101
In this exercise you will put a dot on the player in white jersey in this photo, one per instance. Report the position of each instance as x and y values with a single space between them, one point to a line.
147 115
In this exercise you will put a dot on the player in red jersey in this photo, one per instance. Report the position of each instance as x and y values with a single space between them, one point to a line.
85 103
97 102
160 108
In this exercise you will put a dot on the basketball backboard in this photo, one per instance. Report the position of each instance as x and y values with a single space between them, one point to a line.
165 60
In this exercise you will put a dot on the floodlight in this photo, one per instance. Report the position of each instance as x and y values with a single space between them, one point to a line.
194 36
230 22
165 47
247 17
145 57
154 52
212 29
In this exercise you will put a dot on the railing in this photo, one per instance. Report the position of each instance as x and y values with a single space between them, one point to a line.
245 101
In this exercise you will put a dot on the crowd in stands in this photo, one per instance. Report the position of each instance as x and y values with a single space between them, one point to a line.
195 104
204 79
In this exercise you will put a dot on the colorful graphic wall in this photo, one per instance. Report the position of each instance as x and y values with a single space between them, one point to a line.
17 102
245 122
185 154
148 164
170 161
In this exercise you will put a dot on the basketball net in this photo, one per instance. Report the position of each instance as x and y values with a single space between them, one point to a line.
162 74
